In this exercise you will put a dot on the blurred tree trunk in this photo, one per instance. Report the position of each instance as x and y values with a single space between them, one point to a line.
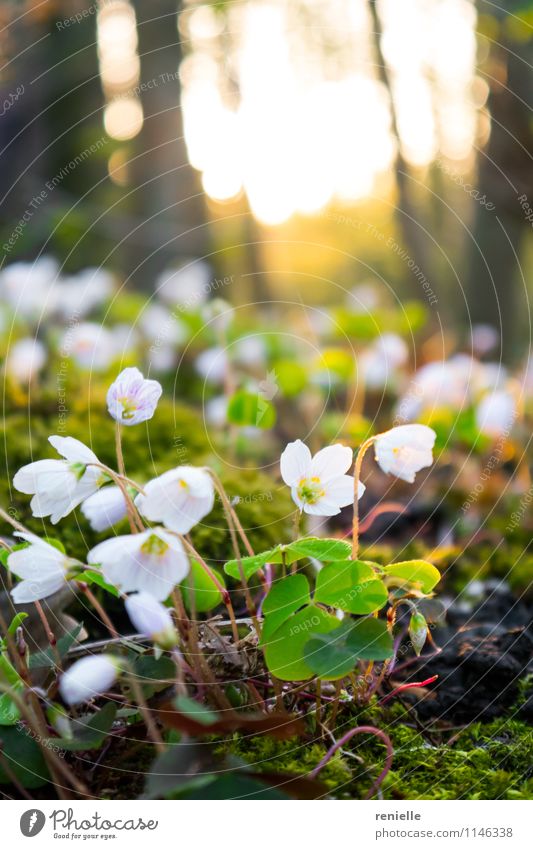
495 286
168 196
407 212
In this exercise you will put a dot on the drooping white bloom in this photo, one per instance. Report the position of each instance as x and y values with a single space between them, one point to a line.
58 486
42 567
187 286
90 345
179 498
152 619
89 677
319 484
131 398
25 359
105 508
404 450
496 414
153 561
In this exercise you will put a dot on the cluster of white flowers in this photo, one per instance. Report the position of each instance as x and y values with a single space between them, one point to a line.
35 290
459 383
146 565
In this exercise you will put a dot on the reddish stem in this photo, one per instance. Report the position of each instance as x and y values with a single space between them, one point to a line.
403 687
362 729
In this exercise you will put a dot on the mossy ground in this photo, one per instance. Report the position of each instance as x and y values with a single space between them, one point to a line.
485 761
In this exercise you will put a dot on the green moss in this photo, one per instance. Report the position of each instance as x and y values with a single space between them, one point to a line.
489 761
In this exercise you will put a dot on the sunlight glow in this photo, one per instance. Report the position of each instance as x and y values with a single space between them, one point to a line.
297 115
120 68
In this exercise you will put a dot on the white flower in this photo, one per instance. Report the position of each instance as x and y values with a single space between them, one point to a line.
161 327
153 562
496 414
131 399
216 411
218 315
90 345
58 486
319 485
105 508
25 359
179 498
81 293
404 450
187 286
250 350
152 619
42 567
380 362
212 364
484 339
28 287
88 677
439 384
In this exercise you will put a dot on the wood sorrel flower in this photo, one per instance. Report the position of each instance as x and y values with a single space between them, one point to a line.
132 399
58 486
319 485
179 498
496 413
152 619
105 508
153 561
42 567
88 677
404 450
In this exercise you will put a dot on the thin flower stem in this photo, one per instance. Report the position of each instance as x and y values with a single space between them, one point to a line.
362 729
13 522
318 705
50 636
182 619
120 455
248 596
134 517
99 609
229 506
222 590
297 522
151 725
356 478
338 689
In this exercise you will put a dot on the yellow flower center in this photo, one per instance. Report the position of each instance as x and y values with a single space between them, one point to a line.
129 408
310 490
154 546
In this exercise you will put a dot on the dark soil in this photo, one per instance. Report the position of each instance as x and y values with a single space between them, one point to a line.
486 652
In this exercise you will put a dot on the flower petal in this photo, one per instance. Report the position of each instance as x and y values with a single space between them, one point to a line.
295 462
72 449
331 462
